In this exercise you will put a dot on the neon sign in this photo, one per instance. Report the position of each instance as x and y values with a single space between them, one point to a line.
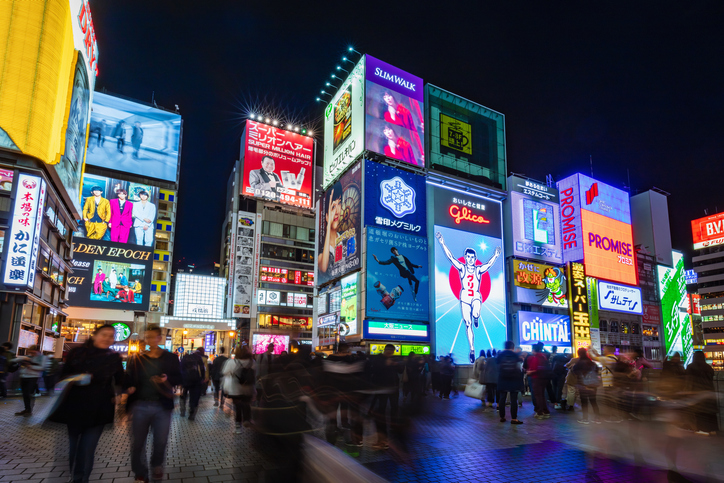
578 301
85 21
466 214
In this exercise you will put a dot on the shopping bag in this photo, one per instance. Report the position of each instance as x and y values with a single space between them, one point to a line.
61 392
474 389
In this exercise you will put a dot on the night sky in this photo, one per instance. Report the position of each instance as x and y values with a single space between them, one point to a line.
637 85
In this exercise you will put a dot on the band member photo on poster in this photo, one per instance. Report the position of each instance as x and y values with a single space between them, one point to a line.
475 284
118 211
117 282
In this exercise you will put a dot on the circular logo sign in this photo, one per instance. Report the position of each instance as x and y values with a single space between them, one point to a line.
123 332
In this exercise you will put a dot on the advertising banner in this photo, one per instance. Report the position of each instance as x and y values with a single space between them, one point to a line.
387 330
133 138
571 230
344 125
470 307
403 350
394 199
536 220
395 103
578 301
676 321
260 342
348 312
708 231
691 277
550 329
118 211
455 134
246 227
652 314
24 236
108 275
199 296
619 298
340 219
397 276
538 284
278 165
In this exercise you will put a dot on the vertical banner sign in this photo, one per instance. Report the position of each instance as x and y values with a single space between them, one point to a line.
25 231
257 253
592 289
231 256
674 303
244 264
578 301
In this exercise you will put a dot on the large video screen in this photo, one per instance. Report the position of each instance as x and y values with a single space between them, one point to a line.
133 138
536 226
340 219
261 341
118 211
395 103
395 199
278 165
678 333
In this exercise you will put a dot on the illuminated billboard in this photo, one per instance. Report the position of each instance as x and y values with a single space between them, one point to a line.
348 311
118 211
676 321
596 228
537 284
287 276
278 165
708 231
339 230
259 343
387 330
395 106
620 298
397 276
245 264
394 199
108 275
344 125
133 138
578 302
550 329
470 307
199 296
535 220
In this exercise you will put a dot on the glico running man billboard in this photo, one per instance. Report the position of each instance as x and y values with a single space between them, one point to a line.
596 228
278 165
708 231
674 304
395 103
339 231
470 309
395 199
535 215
344 125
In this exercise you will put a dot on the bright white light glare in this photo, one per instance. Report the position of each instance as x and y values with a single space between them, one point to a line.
310 133
296 129
267 120
276 123
251 116
290 127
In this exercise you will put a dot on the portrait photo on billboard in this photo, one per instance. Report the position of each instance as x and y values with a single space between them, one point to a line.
339 231
134 138
395 199
110 275
118 211
243 275
470 310
397 276
278 165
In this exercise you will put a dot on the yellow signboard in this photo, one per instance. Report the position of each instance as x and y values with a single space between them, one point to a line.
578 302
455 134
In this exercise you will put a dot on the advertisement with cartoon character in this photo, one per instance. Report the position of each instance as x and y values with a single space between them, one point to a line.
539 284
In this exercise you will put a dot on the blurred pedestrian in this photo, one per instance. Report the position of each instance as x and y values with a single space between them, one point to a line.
490 379
343 377
558 367
447 372
609 390
194 380
510 381
87 408
570 390
672 380
435 364
540 372
238 384
6 356
413 386
587 382
385 373
31 367
150 378
700 381
216 374
136 138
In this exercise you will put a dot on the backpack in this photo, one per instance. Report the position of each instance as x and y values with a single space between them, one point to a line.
191 370
591 378
245 376
508 367
544 367
559 365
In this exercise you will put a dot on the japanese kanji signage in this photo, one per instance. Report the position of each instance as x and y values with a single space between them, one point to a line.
619 298
278 165
395 331
25 231
708 231
676 321
539 284
394 199
578 301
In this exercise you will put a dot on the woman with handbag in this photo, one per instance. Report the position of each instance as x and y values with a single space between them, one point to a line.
86 409
587 381
238 385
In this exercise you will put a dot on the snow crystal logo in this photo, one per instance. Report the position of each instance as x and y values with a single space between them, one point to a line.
397 196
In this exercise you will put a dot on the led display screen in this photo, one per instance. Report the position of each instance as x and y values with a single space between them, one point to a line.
535 220
470 308
394 199
550 329
674 304
118 211
397 276
403 350
708 231
133 138
348 310
261 341
538 284
278 165
286 276
344 125
619 298
386 330
608 247
340 218
199 296
395 103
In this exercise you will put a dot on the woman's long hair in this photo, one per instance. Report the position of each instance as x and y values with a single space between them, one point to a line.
585 364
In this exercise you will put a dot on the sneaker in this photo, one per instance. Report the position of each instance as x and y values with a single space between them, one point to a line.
140 480
539 416
583 421
703 433
246 424
157 474
597 421
570 408
24 412
516 421
558 406
216 404
520 404
502 420
359 444
380 446
546 415
615 421
237 429
192 416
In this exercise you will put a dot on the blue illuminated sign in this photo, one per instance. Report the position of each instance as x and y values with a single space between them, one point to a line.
394 199
691 277
619 298
550 329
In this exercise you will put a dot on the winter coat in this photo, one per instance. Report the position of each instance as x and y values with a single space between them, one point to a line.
230 372
515 382
479 370
491 371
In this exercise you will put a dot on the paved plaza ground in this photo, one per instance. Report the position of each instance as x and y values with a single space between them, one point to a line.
450 441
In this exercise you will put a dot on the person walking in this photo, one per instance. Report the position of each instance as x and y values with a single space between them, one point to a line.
540 373
194 377
558 367
216 374
31 367
150 379
510 381
610 392
6 356
587 381
87 408
136 138
238 384
700 381
490 379
479 371
447 372
385 375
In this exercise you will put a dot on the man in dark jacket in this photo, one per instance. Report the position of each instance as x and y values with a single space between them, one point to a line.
194 380
150 379
344 378
216 368
510 381
385 376
406 268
